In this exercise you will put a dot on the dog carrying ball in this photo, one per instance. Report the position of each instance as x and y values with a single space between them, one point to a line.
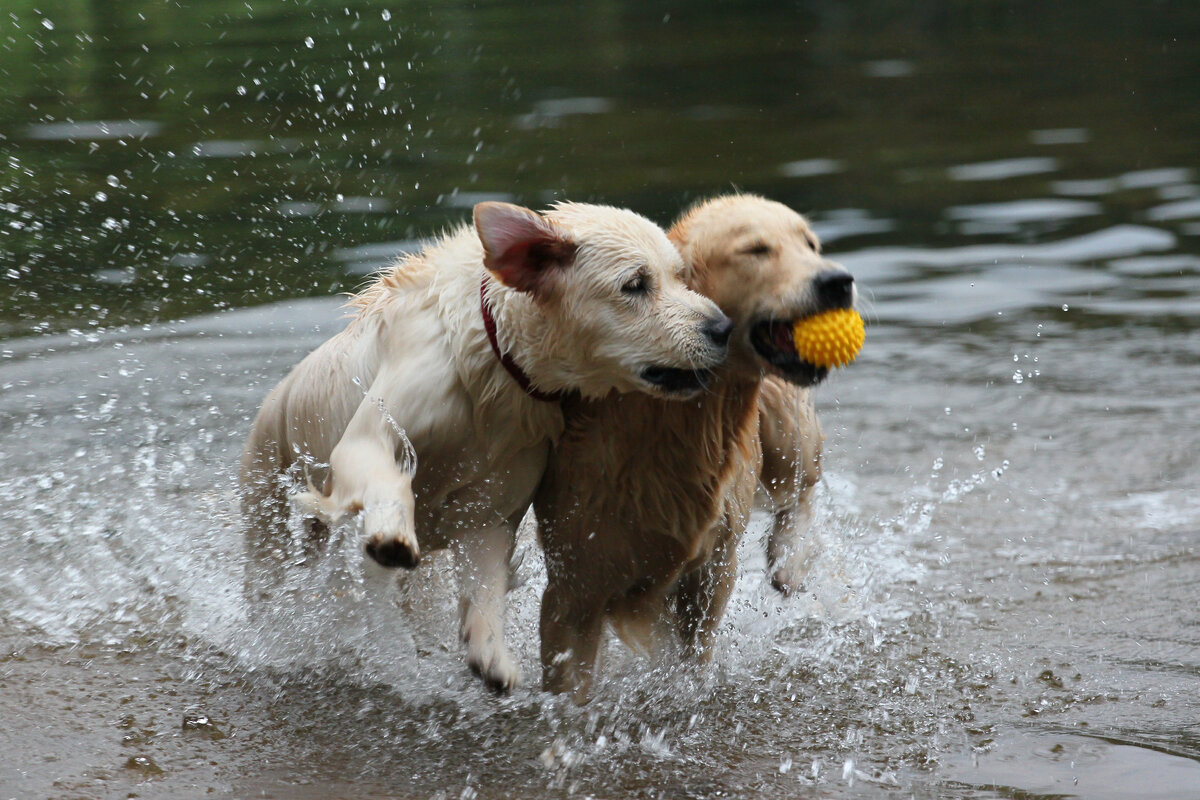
830 339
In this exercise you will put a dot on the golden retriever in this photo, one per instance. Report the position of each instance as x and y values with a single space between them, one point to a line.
455 359
643 501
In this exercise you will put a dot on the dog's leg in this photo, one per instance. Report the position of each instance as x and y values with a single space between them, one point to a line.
571 632
264 517
789 548
367 476
701 596
791 447
261 489
263 498
265 542
482 558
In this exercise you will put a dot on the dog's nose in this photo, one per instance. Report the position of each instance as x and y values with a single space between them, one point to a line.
834 289
718 330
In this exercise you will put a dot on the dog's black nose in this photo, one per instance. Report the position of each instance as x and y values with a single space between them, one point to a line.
718 330
834 289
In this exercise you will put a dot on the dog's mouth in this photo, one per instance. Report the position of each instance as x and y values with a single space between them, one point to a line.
772 340
675 381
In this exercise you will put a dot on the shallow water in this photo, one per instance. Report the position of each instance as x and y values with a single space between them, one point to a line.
1003 598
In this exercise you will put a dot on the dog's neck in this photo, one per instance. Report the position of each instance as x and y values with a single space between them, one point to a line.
505 358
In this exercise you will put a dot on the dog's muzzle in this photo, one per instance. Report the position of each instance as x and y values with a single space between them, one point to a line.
773 338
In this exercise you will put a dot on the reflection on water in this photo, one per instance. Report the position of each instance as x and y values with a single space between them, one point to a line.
1002 595
268 140
1004 168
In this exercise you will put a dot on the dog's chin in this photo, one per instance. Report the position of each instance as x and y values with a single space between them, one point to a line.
675 382
772 341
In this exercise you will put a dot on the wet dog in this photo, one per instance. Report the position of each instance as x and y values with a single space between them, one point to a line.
456 359
643 501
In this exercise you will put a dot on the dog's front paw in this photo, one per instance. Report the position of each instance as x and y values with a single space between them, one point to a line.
393 552
786 581
495 666
791 564
787 576
391 538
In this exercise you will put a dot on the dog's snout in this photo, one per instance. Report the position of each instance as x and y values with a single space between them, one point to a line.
834 289
718 329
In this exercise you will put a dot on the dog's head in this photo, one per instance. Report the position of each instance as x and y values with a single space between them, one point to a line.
762 264
611 289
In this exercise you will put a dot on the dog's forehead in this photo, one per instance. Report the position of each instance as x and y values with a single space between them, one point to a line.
730 219
616 232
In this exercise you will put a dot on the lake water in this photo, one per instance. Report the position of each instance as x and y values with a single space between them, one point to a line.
1005 597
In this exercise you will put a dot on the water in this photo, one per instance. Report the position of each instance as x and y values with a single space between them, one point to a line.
1003 599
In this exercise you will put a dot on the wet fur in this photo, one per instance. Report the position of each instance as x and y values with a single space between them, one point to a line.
644 501
413 382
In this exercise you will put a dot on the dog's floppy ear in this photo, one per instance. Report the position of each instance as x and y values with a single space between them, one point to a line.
521 247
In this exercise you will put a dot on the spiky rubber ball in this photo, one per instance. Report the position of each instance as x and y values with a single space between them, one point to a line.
830 339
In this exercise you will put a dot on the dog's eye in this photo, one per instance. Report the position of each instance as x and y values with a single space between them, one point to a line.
638 284
812 243
757 249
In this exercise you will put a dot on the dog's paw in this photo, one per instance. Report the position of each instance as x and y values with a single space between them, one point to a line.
391 538
789 565
393 551
787 580
496 667
487 655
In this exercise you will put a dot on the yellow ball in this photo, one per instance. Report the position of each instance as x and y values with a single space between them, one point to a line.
830 339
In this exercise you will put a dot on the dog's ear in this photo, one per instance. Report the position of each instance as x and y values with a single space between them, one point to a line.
521 247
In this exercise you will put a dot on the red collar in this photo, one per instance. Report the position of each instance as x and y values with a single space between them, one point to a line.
506 361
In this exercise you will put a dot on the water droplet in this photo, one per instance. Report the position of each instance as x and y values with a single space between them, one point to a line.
382 83
241 90
1018 377
1066 307
387 15
113 181
47 24
308 42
